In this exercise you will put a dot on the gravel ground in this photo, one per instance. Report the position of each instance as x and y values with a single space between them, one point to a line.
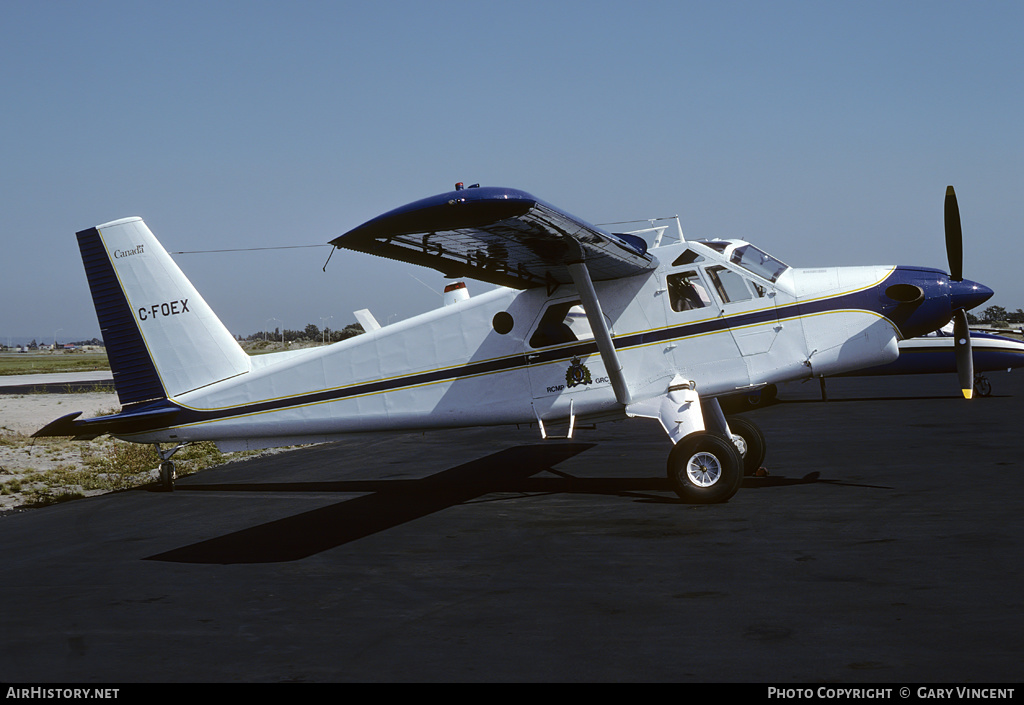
27 413
21 415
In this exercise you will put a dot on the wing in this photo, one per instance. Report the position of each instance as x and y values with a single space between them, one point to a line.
498 235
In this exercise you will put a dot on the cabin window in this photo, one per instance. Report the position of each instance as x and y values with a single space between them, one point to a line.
502 322
686 292
562 323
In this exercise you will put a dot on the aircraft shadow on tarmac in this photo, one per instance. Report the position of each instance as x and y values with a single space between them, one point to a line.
395 502
391 503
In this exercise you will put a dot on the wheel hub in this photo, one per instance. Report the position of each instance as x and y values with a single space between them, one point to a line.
704 469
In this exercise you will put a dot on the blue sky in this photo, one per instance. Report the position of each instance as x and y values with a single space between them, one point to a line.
824 132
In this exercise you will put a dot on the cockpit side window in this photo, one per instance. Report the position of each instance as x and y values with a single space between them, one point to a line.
729 285
685 291
564 322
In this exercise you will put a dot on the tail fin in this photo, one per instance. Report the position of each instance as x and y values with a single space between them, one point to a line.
162 338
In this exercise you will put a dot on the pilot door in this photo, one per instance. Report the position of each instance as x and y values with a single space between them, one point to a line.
748 307
696 339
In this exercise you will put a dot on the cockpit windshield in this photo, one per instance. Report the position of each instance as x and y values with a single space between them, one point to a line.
758 262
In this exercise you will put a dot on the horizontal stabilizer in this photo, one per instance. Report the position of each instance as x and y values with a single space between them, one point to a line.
498 235
135 421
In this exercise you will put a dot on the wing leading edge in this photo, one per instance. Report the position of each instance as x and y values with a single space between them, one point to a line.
498 235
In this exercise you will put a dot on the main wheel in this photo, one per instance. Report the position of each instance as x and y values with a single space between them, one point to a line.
753 446
705 469
982 386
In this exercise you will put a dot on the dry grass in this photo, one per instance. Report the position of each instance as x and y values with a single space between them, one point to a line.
35 472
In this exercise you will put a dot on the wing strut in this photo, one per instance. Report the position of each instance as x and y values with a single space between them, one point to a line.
602 336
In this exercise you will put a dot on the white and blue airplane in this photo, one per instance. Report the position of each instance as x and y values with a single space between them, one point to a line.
933 353
586 325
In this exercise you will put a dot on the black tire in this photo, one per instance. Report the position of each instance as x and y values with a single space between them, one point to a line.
705 469
753 439
167 475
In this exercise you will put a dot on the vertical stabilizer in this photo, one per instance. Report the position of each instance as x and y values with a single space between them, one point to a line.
162 338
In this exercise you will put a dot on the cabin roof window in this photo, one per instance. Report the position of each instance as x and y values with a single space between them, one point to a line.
716 245
688 257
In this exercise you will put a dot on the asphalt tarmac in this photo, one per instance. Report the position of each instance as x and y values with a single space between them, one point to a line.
884 547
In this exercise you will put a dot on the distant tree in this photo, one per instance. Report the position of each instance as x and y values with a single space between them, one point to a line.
311 332
348 331
993 314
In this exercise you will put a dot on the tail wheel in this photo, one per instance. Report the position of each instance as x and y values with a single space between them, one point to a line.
705 469
752 446
167 475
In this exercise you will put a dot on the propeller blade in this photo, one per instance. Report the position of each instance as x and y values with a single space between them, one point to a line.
962 350
954 236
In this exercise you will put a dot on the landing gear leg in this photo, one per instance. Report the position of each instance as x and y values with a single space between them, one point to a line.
167 473
704 466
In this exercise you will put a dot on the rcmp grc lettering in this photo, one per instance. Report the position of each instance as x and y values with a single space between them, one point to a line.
167 308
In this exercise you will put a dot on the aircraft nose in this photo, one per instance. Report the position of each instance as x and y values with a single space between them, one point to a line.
966 294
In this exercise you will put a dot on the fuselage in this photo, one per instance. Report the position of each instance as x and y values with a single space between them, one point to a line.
720 313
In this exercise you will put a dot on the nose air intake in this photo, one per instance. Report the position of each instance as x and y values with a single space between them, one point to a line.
905 293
